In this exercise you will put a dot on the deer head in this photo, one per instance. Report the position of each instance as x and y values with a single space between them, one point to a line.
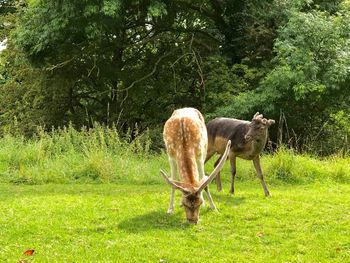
258 128
191 194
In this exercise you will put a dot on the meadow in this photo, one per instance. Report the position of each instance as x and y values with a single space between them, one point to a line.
91 196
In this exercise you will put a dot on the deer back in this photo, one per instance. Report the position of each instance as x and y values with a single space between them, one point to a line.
185 137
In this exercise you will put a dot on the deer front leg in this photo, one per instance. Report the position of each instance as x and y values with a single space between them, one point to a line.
257 166
233 173
200 164
210 199
173 168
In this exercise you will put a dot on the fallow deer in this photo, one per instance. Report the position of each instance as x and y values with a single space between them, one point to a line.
248 140
185 137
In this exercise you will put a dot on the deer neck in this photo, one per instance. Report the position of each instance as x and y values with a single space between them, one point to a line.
258 144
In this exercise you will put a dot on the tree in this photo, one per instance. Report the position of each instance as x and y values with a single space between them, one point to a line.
309 80
134 62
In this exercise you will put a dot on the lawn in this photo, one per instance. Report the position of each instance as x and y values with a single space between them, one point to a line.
126 223
91 196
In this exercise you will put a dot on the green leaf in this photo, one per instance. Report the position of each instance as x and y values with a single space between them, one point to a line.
157 9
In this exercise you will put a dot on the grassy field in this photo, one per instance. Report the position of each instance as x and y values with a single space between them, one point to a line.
124 223
90 196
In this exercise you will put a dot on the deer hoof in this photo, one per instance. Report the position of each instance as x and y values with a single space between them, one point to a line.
170 211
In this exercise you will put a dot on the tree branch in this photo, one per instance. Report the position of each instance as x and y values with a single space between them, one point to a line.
148 75
60 65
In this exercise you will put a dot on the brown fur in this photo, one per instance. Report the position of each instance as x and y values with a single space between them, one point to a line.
185 136
186 139
248 140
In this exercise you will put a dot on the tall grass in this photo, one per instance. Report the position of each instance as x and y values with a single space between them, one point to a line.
101 155
287 166
67 155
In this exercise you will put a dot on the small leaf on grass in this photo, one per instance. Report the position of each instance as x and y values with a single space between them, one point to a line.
29 252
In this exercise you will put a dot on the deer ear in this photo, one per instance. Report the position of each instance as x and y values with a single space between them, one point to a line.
256 115
270 122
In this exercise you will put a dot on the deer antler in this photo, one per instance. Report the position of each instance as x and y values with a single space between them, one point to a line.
174 184
217 168
258 116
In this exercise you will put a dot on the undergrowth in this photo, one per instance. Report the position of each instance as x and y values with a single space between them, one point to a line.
97 155
101 155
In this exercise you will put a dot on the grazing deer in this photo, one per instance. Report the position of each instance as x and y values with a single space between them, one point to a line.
248 140
185 137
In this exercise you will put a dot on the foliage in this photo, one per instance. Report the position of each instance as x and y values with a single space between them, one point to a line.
133 62
101 155
67 155
310 76
88 73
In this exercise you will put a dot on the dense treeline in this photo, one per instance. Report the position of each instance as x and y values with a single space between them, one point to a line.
132 62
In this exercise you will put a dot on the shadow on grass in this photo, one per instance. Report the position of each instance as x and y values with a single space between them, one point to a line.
160 220
155 220
228 199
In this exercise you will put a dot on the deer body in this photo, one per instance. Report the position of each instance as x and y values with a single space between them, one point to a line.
186 141
248 140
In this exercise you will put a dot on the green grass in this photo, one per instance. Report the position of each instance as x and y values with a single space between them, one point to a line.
124 223
91 196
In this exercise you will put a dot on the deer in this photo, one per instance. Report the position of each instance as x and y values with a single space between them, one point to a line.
248 140
186 141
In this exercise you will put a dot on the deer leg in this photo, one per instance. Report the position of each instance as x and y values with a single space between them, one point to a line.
173 176
209 155
233 173
201 171
257 166
200 164
210 199
218 176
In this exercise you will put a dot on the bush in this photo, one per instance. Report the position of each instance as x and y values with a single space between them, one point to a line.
67 155
288 167
99 155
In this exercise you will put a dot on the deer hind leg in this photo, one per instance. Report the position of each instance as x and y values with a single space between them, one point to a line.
218 176
233 173
257 166
173 167
210 153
